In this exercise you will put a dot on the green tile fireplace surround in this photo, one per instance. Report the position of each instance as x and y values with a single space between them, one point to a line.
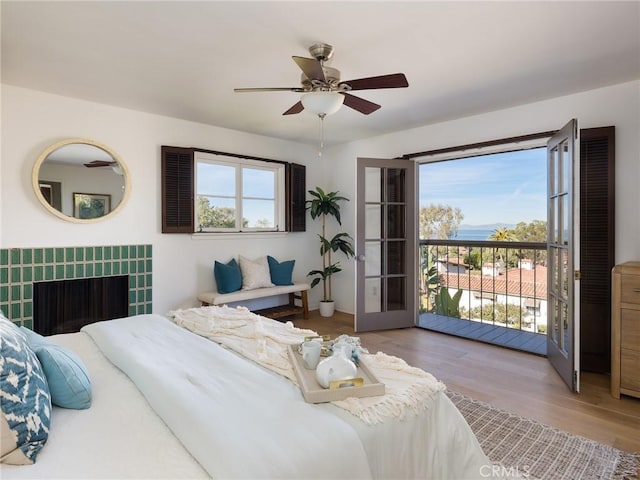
21 267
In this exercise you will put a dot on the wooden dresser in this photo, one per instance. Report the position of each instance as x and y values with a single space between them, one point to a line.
625 330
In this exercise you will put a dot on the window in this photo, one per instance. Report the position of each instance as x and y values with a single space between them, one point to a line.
532 305
237 195
206 191
489 296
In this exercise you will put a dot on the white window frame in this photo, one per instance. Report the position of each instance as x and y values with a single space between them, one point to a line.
239 164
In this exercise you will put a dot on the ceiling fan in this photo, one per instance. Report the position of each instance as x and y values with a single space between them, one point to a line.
317 77
115 166
99 163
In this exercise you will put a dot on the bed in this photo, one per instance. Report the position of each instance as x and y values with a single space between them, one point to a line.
170 402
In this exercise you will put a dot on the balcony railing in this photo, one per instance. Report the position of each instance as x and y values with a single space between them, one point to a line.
493 282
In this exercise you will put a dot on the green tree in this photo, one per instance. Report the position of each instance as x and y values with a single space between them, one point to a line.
508 314
535 231
264 223
439 221
474 257
508 256
216 217
501 234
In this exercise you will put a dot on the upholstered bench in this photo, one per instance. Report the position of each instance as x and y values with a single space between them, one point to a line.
297 291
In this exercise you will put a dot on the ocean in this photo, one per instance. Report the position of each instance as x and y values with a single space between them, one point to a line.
473 234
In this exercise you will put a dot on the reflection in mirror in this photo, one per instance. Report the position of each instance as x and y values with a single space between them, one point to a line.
80 180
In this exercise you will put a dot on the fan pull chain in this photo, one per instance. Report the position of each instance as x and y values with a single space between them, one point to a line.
321 117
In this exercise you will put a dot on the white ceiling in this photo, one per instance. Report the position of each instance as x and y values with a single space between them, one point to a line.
183 59
78 154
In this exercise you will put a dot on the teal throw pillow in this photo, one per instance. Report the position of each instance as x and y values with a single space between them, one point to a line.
228 276
67 376
281 272
26 404
34 339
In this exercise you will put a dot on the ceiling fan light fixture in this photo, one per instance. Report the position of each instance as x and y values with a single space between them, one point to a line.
322 103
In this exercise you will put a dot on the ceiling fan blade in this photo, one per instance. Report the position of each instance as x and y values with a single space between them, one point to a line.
297 108
269 89
311 67
395 80
360 104
99 163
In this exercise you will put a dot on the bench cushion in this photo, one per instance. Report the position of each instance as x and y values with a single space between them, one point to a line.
215 298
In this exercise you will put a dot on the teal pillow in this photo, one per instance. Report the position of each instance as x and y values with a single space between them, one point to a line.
68 379
34 339
25 404
281 272
228 276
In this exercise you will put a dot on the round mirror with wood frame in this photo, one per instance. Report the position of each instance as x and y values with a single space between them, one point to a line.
81 180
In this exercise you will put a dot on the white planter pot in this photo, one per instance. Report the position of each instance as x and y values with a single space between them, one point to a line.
327 308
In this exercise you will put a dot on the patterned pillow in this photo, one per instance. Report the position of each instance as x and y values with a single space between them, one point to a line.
26 403
255 273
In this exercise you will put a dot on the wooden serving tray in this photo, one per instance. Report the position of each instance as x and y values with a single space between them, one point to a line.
313 392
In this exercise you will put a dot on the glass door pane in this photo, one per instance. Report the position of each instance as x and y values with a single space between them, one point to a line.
562 313
385 244
374 245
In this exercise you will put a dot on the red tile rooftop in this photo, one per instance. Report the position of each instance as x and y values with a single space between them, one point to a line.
516 282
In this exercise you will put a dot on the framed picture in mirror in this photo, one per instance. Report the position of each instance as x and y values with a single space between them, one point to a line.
91 205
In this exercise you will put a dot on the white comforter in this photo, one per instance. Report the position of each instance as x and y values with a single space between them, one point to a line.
236 419
120 437
265 341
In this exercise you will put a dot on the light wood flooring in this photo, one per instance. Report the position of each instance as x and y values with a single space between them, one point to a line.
518 382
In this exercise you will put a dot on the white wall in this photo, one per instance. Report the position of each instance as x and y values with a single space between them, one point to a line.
32 120
182 266
617 105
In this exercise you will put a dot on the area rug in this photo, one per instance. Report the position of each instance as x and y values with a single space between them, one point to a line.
534 450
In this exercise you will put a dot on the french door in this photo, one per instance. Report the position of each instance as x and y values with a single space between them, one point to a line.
385 245
563 271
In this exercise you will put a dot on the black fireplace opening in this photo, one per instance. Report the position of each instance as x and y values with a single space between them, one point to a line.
65 306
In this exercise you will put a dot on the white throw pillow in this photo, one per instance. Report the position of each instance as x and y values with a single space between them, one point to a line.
255 273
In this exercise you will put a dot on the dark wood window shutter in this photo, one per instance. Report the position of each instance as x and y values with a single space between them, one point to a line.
597 241
296 186
177 190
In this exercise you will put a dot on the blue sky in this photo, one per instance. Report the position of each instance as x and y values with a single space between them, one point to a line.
499 188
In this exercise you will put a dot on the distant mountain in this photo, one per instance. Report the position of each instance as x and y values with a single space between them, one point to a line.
489 226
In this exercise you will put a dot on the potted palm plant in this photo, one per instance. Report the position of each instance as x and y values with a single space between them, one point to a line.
324 205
